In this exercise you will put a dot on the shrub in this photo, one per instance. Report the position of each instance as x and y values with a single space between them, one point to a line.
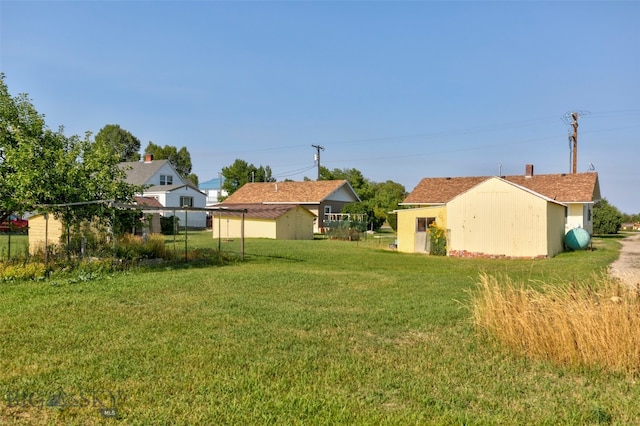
607 219
133 247
167 226
345 229
438 240
22 271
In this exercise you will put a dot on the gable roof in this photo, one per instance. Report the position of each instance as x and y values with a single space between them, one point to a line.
259 211
309 192
169 188
564 188
147 201
515 185
139 172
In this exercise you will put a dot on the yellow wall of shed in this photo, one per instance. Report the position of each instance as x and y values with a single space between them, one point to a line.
231 227
497 218
555 229
407 224
39 231
294 224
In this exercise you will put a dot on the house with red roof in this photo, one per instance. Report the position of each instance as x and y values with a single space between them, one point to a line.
511 216
324 199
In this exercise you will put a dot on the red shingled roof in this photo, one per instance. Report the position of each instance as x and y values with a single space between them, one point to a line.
147 201
564 188
310 192
258 211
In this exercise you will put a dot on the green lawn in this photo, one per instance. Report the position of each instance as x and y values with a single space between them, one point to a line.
13 245
301 332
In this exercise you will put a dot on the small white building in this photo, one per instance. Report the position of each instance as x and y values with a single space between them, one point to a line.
213 190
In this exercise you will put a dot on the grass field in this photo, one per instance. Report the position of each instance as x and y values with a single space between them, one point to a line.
301 332
13 245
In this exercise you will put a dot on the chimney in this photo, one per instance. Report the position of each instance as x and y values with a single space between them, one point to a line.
528 170
276 184
148 158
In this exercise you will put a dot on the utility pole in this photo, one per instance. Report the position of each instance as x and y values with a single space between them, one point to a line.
317 157
572 120
574 139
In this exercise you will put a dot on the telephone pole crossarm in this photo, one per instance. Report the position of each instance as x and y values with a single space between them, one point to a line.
571 118
318 149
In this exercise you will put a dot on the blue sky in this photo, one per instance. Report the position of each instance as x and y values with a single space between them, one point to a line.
398 90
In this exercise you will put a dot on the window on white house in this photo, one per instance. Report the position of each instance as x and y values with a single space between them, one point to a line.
166 180
186 201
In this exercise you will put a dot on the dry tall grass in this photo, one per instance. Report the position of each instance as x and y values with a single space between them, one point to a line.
595 323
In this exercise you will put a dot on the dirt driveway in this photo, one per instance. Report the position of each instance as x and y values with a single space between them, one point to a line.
627 267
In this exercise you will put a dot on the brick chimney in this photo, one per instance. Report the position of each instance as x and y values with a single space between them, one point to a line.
148 158
528 170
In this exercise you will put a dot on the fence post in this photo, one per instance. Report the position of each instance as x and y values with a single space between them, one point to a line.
46 240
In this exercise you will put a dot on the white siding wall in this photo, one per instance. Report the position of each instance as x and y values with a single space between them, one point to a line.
580 215
574 216
172 199
343 195
165 169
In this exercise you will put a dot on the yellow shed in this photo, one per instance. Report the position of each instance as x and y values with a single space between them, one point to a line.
500 218
276 221
413 225
43 232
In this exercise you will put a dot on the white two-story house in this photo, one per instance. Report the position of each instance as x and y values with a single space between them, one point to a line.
162 182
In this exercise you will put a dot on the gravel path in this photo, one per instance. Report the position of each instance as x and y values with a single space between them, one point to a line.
627 267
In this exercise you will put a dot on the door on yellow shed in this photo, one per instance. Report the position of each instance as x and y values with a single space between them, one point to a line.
422 243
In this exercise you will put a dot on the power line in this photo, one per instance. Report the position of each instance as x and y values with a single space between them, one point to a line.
295 172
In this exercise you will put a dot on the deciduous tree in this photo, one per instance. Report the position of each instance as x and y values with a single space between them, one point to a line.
241 172
361 185
39 166
120 140
377 199
179 158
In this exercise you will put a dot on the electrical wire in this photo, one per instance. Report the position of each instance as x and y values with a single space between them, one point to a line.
295 172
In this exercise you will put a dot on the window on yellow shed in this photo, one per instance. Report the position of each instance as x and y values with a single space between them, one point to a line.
422 223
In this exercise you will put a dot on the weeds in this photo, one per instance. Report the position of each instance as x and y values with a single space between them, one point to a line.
592 323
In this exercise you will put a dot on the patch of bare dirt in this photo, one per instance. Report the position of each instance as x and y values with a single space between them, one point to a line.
627 267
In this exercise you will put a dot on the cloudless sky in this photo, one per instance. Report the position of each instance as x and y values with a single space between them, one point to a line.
398 90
